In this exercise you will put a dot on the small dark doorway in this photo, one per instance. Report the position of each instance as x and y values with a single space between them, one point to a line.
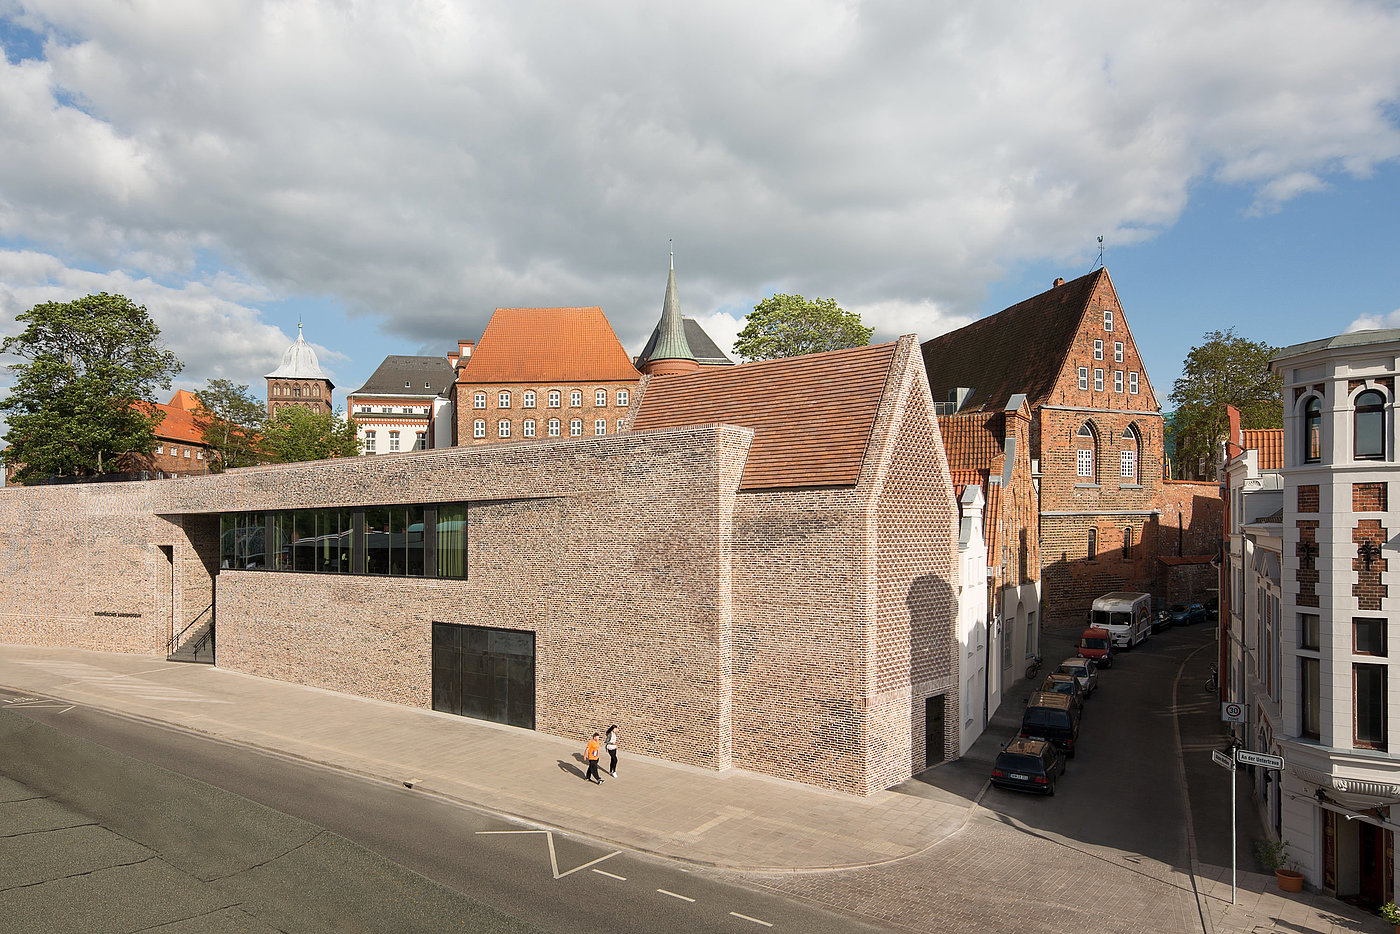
1374 865
487 674
933 731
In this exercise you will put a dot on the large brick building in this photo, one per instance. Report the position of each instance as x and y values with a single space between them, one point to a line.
299 381
1107 519
758 574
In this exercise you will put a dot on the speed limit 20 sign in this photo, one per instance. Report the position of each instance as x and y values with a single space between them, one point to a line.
1231 712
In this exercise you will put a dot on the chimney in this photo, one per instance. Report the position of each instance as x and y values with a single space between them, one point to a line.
1234 444
1059 281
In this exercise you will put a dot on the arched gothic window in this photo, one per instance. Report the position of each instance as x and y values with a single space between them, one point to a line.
1128 456
1085 445
1312 431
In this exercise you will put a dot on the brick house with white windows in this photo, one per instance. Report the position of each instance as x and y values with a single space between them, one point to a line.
543 373
1107 518
299 381
400 406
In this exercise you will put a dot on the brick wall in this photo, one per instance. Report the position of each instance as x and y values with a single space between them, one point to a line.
588 412
1366 497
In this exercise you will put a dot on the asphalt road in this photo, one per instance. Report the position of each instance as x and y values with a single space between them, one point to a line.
110 824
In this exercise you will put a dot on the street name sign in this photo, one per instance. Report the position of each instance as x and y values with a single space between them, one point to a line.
1245 757
1222 760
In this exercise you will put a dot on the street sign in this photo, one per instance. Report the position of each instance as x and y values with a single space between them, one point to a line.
1245 757
1232 712
1222 760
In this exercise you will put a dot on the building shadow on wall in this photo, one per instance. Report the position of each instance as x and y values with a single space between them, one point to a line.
935 715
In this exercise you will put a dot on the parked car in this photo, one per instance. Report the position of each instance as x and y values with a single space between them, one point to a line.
1187 614
1085 671
1052 717
1162 620
1097 644
1028 765
1058 683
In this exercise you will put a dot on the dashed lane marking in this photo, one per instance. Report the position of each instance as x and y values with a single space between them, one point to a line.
553 860
767 924
674 895
602 872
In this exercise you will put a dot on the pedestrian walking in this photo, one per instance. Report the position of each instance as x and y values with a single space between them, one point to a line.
611 743
590 752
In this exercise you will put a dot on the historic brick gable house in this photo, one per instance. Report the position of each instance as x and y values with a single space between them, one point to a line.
759 575
401 406
1096 444
179 450
990 451
542 373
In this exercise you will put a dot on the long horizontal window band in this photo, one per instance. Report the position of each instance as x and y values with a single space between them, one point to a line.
417 540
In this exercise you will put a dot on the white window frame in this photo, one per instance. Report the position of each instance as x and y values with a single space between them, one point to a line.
623 397
1084 462
1117 380
554 398
420 441
1083 377
575 428
479 428
1098 348
1108 319
527 429
393 440
160 449
479 400
600 426
1132 383
1127 464
554 428
371 443
576 399
600 398
619 424
1117 351
527 399
1098 380
503 428
503 399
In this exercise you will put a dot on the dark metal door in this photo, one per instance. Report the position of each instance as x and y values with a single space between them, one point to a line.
488 674
933 731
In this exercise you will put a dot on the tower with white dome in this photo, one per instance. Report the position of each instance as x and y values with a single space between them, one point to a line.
299 380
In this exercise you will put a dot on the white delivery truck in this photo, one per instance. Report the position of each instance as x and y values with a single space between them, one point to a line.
1127 617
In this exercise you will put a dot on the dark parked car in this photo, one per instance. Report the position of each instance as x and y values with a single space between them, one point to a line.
1186 614
1028 765
1060 683
1052 717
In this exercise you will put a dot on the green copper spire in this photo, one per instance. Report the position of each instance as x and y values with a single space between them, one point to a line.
670 338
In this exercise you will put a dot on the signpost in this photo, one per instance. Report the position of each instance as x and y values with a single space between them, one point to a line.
1228 764
1245 757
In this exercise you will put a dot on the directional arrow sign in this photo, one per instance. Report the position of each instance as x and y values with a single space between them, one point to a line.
1222 760
1245 757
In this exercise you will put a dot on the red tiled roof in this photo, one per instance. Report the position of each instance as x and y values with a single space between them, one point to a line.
1269 443
1020 349
811 415
971 440
184 399
177 425
522 345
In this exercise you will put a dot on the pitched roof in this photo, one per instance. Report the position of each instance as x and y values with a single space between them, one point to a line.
973 440
184 399
1269 443
177 425
423 375
1019 349
548 345
702 347
812 416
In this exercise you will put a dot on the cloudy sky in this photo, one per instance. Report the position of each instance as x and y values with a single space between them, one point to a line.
390 172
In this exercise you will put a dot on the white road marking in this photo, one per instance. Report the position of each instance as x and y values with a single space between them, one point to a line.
553 860
674 895
752 919
129 684
610 875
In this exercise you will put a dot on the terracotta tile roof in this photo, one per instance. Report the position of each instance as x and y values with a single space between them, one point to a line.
524 345
184 400
177 425
811 415
1269 443
972 441
1020 349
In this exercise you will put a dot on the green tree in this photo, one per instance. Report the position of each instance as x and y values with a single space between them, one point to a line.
294 433
790 326
1225 369
71 411
231 423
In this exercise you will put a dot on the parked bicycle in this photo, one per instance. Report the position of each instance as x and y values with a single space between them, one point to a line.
1033 668
1213 682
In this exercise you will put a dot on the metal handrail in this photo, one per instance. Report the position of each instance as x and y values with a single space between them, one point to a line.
175 640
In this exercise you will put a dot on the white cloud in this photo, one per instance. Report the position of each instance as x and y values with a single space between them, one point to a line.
1374 322
430 161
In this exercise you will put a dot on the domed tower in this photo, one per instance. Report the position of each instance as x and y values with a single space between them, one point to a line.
671 352
299 380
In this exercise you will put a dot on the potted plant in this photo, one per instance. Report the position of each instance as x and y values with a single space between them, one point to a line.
1273 855
1392 914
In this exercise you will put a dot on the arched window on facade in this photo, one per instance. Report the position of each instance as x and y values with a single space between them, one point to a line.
1086 442
1312 430
1368 441
1128 456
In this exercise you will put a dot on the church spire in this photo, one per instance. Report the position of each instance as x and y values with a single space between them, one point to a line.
672 353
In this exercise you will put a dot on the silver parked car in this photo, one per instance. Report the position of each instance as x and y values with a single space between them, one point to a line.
1085 671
